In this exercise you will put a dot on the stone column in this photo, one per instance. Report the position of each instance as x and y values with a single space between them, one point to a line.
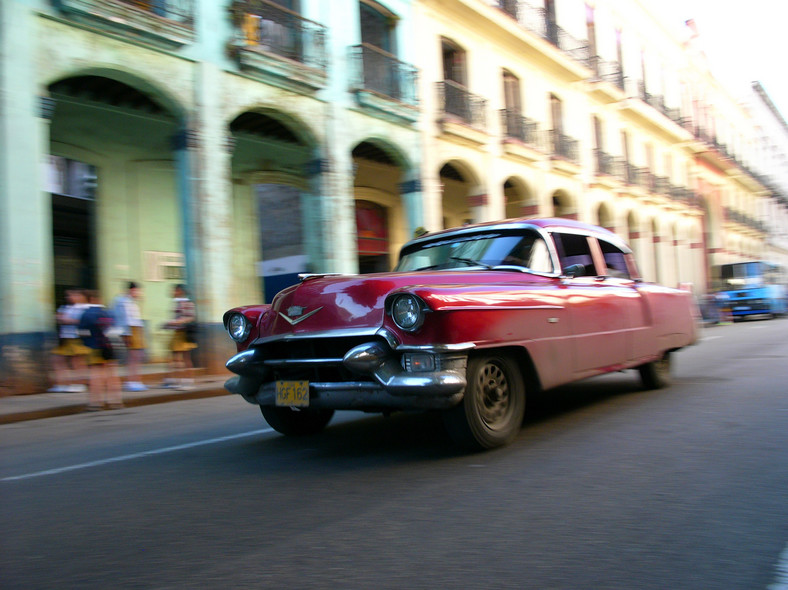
212 223
26 273
411 199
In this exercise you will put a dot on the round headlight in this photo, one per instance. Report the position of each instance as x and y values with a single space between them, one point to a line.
407 312
238 327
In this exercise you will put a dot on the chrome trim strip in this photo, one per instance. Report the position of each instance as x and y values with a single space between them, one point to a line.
437 348
504 307
345 333
299 362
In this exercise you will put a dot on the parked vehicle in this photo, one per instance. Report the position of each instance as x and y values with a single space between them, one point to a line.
753 288
471 322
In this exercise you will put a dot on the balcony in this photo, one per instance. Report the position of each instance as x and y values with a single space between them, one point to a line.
537 20
520 128
604 162
278 45
455 101
163 23
382 82
564 147
744 219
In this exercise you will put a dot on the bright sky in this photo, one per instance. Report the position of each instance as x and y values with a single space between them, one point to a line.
745 41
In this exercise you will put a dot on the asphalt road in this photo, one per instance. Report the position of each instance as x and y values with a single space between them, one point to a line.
607 486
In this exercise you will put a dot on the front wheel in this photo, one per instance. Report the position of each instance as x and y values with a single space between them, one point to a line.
491 412
656 374
294 422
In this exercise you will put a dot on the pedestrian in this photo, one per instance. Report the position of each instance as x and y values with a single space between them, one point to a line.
128 321
69 359
183 324
104 382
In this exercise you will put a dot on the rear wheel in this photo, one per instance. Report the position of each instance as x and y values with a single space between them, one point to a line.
656 374
491 412
296 422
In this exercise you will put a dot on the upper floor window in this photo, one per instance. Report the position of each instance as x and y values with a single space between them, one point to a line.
511 92
377 27
454 62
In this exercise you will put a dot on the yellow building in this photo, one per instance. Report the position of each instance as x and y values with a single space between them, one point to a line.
592 110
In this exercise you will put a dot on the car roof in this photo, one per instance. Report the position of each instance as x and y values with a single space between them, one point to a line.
547 223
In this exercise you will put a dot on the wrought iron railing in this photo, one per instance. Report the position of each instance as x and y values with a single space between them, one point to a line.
454 99
266 26
662 185
181 11
564 146
537 20
743 219
381 72
522 128
509 7
609 71
605 163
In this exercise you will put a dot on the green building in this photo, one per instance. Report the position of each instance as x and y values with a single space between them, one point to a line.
228 145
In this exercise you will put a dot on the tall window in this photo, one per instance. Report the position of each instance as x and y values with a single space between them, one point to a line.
591 33
627 159
378 47
511 92
453 62
551 22
377 27
556 110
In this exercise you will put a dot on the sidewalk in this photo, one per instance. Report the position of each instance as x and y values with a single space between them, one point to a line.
18 408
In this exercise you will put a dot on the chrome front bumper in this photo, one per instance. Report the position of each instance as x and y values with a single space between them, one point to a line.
387 386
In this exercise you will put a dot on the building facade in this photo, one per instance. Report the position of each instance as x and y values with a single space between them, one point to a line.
231 145
771 163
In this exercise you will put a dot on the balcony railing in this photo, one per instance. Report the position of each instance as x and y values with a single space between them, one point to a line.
262 25
509 7
521 128
454 99
743 219
166 23
564 146
605 163
609 71
537 20
381 72
181 11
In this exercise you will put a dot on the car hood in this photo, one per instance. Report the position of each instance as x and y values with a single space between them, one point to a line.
350 302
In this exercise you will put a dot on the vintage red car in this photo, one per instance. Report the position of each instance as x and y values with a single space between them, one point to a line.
470 322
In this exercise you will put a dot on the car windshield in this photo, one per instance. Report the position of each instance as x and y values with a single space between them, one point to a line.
522 248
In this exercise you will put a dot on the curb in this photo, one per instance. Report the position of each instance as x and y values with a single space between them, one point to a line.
69 409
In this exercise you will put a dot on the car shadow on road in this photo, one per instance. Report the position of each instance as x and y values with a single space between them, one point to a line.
374 440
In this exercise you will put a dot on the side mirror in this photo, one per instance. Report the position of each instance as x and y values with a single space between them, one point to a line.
574 270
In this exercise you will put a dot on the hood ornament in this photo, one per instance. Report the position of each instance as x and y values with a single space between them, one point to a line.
296 315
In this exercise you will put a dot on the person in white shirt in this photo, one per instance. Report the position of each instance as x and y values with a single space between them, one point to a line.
132 329
69 359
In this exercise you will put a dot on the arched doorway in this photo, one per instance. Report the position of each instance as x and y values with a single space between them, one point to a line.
605 218
382 224
563 205
458 198
113 176
270 157
518 199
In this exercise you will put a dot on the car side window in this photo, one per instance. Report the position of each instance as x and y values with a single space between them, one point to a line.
531 252
615 260
574 249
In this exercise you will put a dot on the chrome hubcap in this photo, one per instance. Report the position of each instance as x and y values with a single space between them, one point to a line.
493 394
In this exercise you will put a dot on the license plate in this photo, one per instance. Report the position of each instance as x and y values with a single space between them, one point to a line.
741 308
292 393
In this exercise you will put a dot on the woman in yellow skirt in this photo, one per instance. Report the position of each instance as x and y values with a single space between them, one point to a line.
183 337
69 358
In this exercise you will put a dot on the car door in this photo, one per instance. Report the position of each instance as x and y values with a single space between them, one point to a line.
603 309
